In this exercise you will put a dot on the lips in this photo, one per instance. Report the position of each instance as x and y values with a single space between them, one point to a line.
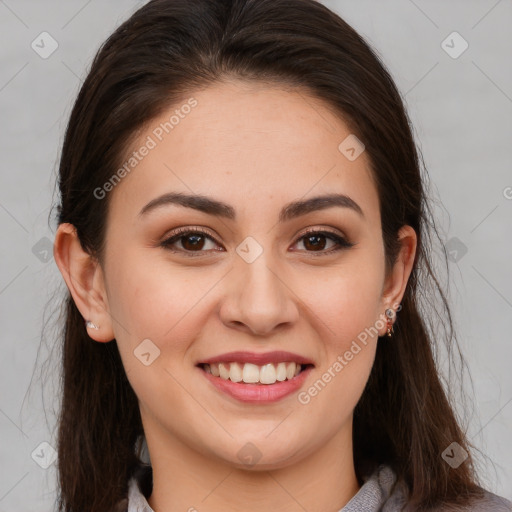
279 356
256 377
257 393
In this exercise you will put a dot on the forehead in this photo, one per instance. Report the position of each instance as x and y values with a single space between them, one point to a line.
246 143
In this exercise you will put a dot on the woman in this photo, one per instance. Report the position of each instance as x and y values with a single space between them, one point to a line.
243 231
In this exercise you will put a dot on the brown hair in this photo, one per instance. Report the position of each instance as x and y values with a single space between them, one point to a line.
165 50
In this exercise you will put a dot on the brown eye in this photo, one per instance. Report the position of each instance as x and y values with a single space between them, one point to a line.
316 241
191 240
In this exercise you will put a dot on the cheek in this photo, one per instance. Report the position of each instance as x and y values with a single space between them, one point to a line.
349 300
153 296
349 331
155 310
348 306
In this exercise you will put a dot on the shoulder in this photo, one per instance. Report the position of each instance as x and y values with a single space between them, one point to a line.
490 502
395 495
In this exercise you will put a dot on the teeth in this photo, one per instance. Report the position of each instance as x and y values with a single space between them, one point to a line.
250 373
253 374
281 372
268 374
223 370
235 372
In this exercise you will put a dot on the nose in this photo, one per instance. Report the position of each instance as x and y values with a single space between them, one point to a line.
258 299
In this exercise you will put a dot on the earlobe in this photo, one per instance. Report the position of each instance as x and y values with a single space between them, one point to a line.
84 279
396 282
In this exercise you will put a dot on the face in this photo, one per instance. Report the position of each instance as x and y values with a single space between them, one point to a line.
186 284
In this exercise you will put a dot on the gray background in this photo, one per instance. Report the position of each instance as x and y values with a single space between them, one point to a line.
460 107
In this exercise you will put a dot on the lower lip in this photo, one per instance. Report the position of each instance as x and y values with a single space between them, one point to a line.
260 393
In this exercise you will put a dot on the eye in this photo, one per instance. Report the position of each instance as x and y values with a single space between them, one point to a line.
191 240
195 240
316 240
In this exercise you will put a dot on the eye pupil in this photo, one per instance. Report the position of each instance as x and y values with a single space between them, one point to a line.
316 244
197 243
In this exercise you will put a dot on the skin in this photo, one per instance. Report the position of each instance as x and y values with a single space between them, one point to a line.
256 147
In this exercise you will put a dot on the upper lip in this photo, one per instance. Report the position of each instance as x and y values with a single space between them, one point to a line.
277 356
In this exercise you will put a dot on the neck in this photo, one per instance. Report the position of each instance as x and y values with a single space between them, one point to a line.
186 480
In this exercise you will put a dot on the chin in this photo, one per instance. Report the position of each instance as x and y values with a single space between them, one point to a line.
263 455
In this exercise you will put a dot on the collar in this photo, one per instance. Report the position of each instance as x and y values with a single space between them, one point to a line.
377 494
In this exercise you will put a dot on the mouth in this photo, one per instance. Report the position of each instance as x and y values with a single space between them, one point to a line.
253 377
250 373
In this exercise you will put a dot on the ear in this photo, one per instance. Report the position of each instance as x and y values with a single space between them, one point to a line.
84 278
396 282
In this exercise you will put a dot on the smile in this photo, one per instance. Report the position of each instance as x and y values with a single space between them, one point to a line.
250 373
248 387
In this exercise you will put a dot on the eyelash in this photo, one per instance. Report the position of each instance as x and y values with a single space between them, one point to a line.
183 232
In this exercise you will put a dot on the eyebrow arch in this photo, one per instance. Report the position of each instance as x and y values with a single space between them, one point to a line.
218 208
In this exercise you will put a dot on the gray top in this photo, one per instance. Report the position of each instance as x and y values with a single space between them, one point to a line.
377 494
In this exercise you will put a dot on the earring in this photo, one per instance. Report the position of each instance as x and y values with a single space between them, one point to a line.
390 314
88 324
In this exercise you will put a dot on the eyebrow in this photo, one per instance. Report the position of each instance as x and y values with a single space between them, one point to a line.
212 206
